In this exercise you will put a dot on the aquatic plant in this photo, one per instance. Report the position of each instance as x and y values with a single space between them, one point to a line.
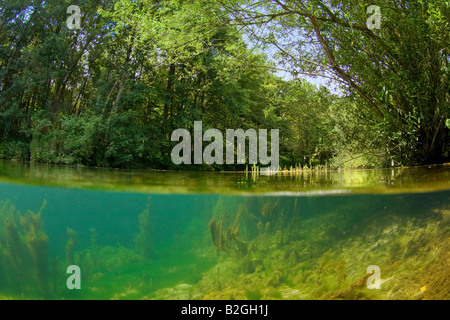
70 246
216 232
25 252
269 207
324 254
357 290
303 248
143 240
38 247
229 240
16 256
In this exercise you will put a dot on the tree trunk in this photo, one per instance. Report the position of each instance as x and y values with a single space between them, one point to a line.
123 77
169 91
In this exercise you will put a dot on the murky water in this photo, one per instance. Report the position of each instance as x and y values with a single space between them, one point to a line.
166 235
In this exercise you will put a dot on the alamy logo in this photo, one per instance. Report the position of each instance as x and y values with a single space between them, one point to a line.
213 153
74 280
74 20
374 21
374 281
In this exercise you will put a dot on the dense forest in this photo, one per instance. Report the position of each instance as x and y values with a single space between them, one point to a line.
110 91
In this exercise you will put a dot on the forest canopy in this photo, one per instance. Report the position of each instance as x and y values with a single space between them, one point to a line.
110 93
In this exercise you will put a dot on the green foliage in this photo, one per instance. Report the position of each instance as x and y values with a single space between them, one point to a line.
397 75
111 93
92 140
18 150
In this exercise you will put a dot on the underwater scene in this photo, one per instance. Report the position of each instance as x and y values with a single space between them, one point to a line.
318 237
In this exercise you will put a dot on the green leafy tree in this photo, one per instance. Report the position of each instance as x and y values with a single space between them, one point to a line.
398 72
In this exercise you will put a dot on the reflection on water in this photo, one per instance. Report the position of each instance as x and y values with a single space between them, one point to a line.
419 179
223 245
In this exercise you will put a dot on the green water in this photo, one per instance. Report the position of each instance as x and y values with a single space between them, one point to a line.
168 235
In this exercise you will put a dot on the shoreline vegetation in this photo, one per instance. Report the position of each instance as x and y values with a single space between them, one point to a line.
110 93
249 169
